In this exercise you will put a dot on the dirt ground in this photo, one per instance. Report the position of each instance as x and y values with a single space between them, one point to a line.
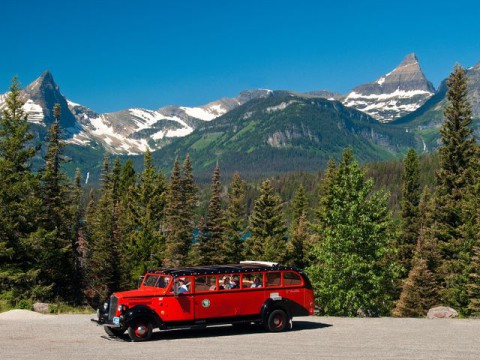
26 335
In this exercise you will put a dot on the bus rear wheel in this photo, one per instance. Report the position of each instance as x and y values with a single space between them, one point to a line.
277 321
140 330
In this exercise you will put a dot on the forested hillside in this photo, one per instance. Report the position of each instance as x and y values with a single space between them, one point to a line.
373 239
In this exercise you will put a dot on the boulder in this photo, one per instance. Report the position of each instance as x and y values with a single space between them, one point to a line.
442 312
41 308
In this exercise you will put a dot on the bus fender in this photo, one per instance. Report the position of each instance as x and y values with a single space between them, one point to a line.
273 304
144 312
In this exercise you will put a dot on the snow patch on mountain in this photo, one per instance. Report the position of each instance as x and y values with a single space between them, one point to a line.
205 113
34 111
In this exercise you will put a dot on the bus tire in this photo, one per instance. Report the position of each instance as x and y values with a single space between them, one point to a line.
277 321
140 330
114 331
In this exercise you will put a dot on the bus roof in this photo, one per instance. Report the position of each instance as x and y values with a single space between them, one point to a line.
243 267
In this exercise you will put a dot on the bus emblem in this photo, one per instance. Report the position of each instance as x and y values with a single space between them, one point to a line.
206 303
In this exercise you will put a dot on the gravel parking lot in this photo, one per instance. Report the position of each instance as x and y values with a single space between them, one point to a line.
25 335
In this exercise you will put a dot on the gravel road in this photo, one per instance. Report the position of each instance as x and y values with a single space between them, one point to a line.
76 337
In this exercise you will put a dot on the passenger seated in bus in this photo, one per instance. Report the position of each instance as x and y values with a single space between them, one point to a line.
225 283
235 283
256 282
182 287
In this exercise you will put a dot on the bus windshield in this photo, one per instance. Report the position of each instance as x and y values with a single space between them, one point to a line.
160 281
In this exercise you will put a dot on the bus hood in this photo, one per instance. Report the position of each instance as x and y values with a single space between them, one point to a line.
140 293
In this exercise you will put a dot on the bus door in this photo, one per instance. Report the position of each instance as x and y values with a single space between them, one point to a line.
180 307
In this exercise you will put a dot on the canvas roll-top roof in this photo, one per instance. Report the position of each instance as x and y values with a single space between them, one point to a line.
222 269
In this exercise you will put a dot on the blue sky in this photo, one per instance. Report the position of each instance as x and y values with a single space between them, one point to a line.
111 55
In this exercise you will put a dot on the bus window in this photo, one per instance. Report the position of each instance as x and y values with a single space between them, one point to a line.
230 281
273 279
254 280
205 283
291 279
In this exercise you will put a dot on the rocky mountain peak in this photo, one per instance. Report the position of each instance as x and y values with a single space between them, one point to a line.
395 94
410 59
40 96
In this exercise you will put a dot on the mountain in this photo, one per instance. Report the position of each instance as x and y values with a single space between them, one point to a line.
395 94
426 120
130 131
133 131
285 132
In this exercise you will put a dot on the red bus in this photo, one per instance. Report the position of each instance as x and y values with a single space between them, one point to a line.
248 292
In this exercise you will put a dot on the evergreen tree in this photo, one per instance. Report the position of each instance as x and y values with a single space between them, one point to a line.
410 202
78 278
55 235
211 241
267 228
454 178
127 177
420 289
176 248
297 246
190 199
147 208
299 206
298 233
104 265
19 203
235 221
353 269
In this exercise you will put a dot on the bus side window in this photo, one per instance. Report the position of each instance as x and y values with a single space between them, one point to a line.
205 283
273 279
250 281
291 279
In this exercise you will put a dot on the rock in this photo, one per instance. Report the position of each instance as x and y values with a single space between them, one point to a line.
41 308
442 312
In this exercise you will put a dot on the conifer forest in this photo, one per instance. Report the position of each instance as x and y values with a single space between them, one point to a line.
392 238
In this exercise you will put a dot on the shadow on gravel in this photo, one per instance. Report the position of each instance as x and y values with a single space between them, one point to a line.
220 330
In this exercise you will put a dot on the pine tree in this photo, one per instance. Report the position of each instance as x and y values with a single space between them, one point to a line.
420 289
190 198
298 232
176 250
267 239
127 177
104 265
409 203
148 242
19 203
297 246
211 242
78 278
299 206
235 221
57 223
454 178
353 270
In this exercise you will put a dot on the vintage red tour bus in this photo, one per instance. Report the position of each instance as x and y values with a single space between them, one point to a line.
248 292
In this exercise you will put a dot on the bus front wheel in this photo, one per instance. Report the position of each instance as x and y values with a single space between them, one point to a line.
278 320
140 330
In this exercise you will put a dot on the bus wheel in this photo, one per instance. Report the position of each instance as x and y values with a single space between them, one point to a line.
140 330
277 321
114 331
